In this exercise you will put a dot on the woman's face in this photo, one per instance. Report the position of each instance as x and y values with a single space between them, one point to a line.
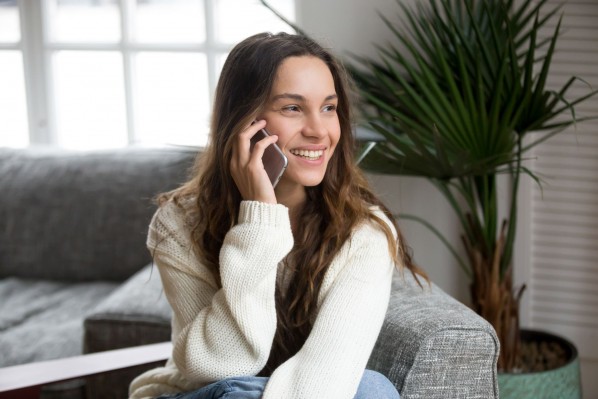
301 111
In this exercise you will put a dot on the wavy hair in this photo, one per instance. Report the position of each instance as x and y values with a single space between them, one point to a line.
332 210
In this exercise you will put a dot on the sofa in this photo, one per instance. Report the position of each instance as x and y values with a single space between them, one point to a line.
76 277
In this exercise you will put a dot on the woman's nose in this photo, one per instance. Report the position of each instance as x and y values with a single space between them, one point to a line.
315 127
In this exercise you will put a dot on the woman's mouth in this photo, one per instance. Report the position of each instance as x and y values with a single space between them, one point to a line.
312 155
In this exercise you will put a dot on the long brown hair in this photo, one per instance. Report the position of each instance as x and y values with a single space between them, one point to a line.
332 209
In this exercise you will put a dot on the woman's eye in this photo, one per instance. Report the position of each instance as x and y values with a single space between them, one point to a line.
291 108
330 108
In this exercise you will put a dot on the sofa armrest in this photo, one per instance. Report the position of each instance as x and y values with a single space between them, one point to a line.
432 346
136 313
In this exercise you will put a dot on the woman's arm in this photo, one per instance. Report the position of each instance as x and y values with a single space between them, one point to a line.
218 333
351 313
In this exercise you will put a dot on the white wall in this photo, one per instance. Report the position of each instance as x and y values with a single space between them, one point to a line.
353 26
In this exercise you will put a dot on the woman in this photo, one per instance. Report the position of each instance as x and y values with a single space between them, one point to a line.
276 292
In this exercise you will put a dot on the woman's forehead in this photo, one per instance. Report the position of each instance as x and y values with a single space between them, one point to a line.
303 77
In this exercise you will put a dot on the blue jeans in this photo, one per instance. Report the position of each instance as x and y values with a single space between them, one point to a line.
373 385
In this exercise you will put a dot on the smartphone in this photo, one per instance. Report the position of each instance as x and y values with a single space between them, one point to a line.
275 162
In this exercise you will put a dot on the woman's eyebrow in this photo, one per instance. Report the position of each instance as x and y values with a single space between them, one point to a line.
299 97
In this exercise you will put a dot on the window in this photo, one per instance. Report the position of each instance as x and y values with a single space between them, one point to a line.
108 73
13 108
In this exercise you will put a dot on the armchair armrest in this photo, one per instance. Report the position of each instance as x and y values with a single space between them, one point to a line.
432 346
25 381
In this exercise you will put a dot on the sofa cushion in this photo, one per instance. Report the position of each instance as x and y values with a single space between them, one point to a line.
42 320
81 216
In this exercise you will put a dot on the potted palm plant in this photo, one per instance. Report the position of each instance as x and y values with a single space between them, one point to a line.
460 99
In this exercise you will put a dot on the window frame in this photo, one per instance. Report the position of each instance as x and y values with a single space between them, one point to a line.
37 52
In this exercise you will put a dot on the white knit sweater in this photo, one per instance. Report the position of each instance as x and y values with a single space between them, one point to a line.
220 333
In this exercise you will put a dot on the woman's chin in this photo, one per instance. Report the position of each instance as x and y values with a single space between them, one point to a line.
303 179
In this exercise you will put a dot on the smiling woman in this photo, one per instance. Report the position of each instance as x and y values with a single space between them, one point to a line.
276 292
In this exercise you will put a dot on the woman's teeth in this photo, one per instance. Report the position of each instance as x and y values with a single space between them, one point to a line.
311 155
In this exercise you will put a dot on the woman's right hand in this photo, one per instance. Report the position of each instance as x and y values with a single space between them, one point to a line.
247 168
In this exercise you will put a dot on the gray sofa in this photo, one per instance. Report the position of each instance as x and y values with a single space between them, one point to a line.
74 270
75 277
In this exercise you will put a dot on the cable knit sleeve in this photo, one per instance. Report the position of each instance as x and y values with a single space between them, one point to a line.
219 333
350 316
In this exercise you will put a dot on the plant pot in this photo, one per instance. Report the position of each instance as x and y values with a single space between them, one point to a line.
559 383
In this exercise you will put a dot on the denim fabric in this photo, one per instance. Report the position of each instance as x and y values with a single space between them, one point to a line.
373 385
230 388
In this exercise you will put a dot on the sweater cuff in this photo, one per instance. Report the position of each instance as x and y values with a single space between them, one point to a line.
255 212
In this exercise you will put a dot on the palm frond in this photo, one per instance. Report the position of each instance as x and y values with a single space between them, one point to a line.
457 91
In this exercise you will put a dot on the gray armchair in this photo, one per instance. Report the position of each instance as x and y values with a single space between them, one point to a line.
431 346
60 238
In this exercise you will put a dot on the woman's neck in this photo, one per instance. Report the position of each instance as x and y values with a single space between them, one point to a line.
293 197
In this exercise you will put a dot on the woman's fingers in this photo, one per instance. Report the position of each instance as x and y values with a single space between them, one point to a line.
243 142
260 147
247 167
